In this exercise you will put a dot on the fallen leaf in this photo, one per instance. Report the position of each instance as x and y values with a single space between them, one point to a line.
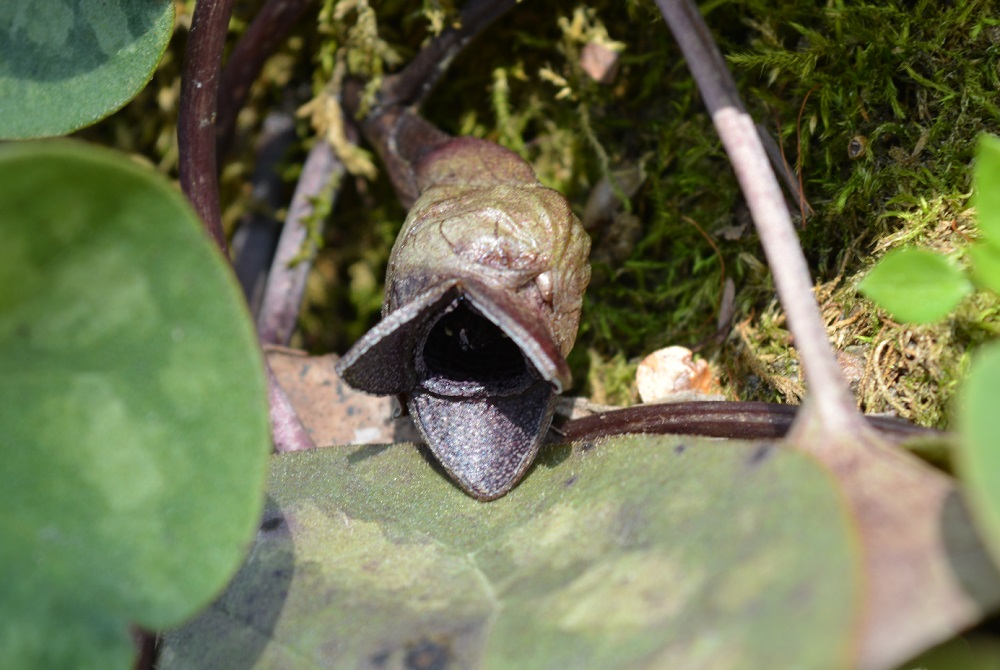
334 413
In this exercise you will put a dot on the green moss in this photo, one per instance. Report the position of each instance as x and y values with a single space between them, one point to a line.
914 83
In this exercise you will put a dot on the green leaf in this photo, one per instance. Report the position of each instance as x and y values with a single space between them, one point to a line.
985 258
986 181
65 64
133 407
633 552
915 285
979 449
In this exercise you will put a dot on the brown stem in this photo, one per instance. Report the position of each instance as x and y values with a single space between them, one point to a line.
827 386
145 647
734 420
777 157
401 137
265 34
393 127
412 84
196 122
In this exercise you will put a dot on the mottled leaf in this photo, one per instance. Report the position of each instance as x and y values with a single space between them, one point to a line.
631 552
915 285
65 64
133 408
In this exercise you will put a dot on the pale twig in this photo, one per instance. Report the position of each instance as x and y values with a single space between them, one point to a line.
833 405
286 283
287 431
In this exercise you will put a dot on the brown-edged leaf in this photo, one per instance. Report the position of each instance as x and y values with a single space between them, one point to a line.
928 575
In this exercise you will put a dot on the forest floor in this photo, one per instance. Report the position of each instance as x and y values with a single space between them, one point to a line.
876 108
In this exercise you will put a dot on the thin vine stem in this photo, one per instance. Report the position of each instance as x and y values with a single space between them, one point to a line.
256 236
730 420
197 111
263 37
412 84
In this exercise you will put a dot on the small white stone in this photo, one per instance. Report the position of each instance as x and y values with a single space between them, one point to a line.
368 436
669 371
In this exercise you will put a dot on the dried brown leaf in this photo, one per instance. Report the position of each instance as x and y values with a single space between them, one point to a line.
332 412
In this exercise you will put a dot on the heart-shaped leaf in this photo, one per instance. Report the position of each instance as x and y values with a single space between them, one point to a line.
68 63
133 407
915 285
631 552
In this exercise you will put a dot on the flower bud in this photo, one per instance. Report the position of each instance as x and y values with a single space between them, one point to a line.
482 304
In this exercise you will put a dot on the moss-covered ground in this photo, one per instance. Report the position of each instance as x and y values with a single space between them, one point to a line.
876 106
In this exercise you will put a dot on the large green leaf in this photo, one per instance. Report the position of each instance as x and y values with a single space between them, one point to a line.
65 64
633 552
915 285
133 408
979 453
